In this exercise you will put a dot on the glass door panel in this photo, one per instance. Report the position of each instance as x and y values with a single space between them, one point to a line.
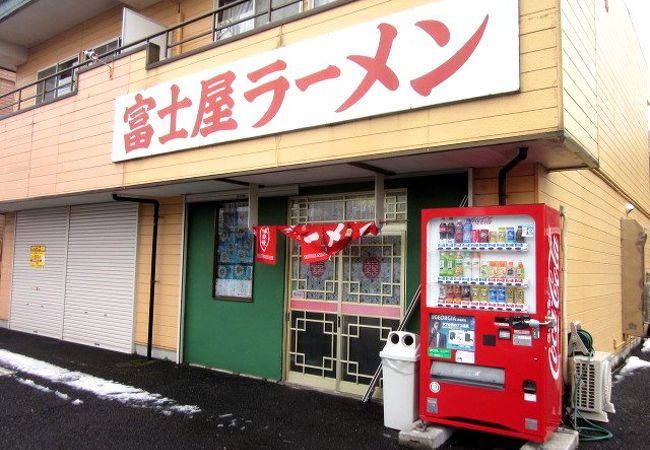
341 311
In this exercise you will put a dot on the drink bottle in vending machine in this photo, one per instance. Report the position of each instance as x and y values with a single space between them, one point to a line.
490 320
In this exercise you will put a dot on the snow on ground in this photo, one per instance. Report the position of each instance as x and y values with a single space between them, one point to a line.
632 364
33 384
104 389
646 346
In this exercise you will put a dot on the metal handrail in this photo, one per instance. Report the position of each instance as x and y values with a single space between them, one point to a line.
19 98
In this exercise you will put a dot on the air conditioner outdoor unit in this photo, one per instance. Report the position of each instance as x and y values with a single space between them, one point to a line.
592 386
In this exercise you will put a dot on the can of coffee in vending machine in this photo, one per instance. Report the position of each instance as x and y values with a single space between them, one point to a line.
457 294
484 235
502 235
465 293
476 235
442 294
475 292
519 296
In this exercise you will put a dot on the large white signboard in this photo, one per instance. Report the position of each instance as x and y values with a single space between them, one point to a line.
442 52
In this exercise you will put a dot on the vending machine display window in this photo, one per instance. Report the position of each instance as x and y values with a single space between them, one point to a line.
481 263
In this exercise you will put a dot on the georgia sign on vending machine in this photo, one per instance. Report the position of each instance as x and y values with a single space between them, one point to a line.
490 323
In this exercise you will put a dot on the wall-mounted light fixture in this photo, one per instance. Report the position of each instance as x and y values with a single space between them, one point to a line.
90 54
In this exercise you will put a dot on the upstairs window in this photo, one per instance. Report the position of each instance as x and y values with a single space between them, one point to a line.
318 3
240 16
235 19
54 86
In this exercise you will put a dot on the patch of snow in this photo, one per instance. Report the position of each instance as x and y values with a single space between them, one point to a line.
646 346
223 416
77 402
34 385
633 363
104 389
61 395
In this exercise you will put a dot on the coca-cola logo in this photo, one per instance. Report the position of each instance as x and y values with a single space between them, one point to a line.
482 220
553 301
265 237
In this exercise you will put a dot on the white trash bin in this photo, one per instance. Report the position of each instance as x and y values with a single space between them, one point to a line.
400 362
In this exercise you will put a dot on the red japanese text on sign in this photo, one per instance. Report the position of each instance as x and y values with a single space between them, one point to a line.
455 50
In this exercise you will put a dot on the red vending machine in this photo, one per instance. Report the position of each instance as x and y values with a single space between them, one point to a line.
490 323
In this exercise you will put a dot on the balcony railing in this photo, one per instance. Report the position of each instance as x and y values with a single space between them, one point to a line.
226 23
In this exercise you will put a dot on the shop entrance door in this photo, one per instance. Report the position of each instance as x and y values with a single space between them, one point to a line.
341 311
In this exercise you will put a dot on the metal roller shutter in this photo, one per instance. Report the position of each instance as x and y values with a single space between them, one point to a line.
37 293
100 277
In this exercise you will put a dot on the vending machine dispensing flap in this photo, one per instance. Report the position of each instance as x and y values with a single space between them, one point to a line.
489 377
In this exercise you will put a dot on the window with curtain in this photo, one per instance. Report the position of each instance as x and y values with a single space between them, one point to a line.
239 17
318 3
235 19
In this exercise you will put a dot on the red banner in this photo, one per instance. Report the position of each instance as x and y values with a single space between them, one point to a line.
265 244
319 242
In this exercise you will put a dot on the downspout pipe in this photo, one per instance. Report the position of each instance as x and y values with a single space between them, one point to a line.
154 246
503 172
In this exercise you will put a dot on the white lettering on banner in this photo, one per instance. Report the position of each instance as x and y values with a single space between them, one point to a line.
444 51
265 236
553 301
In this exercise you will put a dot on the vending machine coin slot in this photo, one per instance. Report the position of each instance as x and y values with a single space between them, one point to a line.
530 387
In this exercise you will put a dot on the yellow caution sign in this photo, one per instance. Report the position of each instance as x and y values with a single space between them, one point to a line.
37 256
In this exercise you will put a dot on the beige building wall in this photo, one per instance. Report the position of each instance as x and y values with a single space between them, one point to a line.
8 224
168 273
623 93
592 238
65 147
521 185
605 91
579 74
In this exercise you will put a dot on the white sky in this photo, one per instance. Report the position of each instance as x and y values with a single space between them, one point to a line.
640 12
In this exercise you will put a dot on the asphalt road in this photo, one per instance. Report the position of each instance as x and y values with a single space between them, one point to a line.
237 412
